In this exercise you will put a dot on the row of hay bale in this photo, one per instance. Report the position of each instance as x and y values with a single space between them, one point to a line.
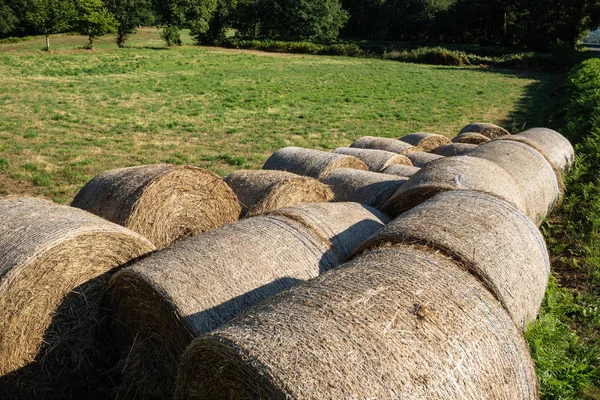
89 305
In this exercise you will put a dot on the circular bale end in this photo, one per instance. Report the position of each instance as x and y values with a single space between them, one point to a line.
164 203
369 188
555 147
376 160
425 141
454 149
381 143
497 242
405 313
421 158
490 131
538 181
264 190
470 138
54 265
308 162
455 173
403 171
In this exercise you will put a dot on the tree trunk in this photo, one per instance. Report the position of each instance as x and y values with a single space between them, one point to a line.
47 42
120 40
91 42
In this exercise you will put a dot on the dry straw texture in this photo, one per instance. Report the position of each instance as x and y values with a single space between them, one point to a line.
455 173
404 171
555 147
197 284
308 162
421 158
381 143
538 181
376 160
490 131
263 190
396 323
453 149
162 202
470 138
426 141
370 188
497 242
54 262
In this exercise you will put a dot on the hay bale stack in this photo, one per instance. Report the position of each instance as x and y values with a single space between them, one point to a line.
496 241
376 160
192 287
308 162
421 158
370 188
454 149
162 202
490 131
540 184
54 262
555 147
396 323
425 141
261 191
455 173
381 143
470 138
404 171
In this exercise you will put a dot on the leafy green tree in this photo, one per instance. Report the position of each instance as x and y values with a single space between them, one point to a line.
49 16
171 16
93 19
8 19
129 14
210 29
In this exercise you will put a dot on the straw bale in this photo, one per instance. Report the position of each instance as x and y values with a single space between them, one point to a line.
471 138
396 323
263 190
453 149
403 171
425 141
381 143
162 202
490 131
455 173
376 160
421 158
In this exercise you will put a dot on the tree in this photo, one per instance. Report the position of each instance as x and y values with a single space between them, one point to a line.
129 14
8 19
171 16
49 16
94 20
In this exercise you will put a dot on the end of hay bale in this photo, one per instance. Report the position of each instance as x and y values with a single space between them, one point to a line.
265 190
308 162
453 149
426 141
470 138
376 160
455 173
490 131
164 203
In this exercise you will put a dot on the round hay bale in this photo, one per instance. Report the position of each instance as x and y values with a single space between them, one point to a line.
381 143
536 178
370 188
425 141
197 284
162 202
455 173
376 160
555 147
453 149
396 323
421 158
403 171
308 162
490 131
54 264
497 242
470 138
263 190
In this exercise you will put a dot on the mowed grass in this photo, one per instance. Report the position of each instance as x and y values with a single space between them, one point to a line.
70 114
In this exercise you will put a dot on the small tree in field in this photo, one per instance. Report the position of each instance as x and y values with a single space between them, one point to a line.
129 14
49 16
171 16
94 20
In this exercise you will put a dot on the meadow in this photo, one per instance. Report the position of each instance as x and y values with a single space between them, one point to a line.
72 113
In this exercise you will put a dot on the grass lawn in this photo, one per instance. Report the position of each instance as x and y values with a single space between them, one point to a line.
72 113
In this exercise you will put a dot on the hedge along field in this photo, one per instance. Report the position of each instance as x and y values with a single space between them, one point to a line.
71 114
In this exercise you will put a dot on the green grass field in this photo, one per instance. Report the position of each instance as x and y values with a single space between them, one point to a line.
72 113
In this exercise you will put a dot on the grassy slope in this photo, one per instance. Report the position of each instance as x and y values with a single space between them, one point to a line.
71 114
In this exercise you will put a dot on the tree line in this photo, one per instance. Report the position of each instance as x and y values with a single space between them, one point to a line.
533 24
